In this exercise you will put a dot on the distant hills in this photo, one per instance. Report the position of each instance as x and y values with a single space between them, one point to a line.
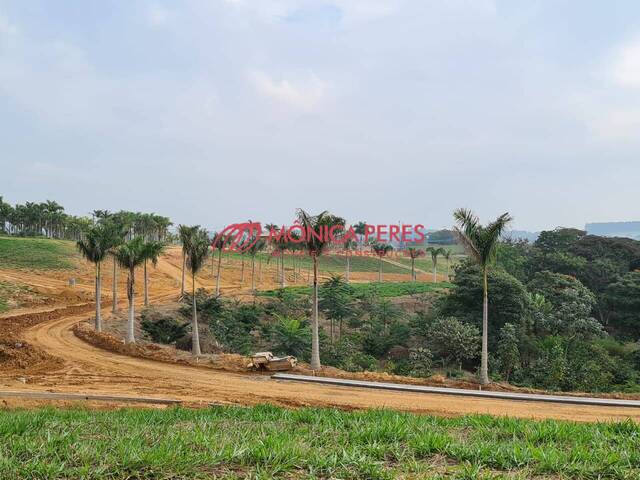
614 229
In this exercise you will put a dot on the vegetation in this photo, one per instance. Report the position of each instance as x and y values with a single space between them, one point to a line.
385 289
131 255
271 442
197 252
36 253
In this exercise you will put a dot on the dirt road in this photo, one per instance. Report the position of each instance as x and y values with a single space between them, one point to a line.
83 368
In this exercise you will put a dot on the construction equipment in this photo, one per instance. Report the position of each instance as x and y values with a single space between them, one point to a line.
266 361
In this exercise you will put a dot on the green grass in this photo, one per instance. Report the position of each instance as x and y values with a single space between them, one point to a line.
36 253
384 289
269 442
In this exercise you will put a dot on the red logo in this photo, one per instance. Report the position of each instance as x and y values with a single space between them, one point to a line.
238 237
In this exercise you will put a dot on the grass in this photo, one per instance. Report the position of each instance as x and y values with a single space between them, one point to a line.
269 442
384 289
36 253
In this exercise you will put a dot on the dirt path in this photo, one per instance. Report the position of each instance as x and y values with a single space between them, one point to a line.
83 368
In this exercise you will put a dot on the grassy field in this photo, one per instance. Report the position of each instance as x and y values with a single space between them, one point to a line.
269 442
384 289
37 253
329 263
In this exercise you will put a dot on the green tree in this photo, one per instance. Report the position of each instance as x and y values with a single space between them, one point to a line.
291 337
152 251
336 302
381 250
316 245
413 254
256 246
508 351
435 252
623 299
480 243
197 253
186 234
130 255
453 341
94 247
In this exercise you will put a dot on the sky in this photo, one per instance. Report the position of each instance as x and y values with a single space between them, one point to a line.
218 111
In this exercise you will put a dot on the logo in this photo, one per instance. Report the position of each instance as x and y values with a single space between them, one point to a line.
238 237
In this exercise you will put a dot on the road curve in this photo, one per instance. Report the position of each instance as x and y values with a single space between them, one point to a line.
91 370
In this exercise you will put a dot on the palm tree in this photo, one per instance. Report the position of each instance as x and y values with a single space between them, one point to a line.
196 257
94 247
315 246
349 245
413 254
481 243
152 251
130 255
219 243
447 256
435 252
381 250
185 233
256 247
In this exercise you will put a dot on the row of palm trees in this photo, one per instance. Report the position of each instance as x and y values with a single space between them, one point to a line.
479 241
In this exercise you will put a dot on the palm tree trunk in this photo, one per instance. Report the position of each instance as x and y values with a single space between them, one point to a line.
448 263
346 277
132 308
315 335
435 279
242 271
114 287
195 335
146 286
282 282
413 269
253 273
380 269
184 265
98 301
484 359
218 273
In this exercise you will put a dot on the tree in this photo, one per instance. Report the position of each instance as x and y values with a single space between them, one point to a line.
447 254
413 254
186 234
130 255
197 252
508 352
454 341
256 246
480 243
558 240
336 302
94 247
219 243
348 245
381 249
623 299
316 245
152 251
435 252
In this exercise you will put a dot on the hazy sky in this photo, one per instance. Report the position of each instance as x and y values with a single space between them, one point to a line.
221 110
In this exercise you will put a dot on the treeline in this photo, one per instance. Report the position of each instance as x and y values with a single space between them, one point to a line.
50 220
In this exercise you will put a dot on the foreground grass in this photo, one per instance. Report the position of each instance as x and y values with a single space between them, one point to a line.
268 442
384 289
36 253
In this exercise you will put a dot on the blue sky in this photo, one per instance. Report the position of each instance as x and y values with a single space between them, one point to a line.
217 111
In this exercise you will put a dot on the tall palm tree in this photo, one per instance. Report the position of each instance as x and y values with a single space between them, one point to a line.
381 250
481 242
447 256
435 252
219 242
256 247
197 254
316 246
413 254
152 251
349 245
185 233
130 255
94 247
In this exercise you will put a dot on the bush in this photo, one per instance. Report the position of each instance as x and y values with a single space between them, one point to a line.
164 329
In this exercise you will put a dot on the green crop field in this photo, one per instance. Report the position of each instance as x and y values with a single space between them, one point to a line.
330 263
269 442
37 253
384 289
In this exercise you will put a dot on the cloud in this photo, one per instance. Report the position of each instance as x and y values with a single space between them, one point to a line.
306 95
625 67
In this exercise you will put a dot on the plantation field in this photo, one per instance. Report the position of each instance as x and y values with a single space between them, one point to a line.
329 262
270 442
36 253
384 289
